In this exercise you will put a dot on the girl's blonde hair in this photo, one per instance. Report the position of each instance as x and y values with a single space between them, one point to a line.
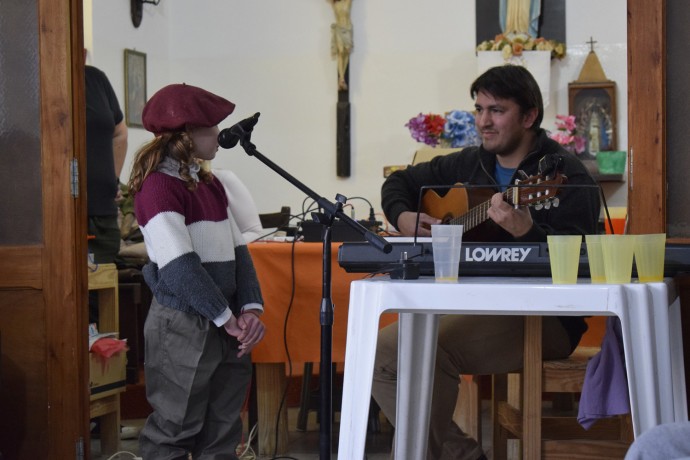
178 146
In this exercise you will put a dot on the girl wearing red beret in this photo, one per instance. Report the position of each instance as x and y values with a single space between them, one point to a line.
205 317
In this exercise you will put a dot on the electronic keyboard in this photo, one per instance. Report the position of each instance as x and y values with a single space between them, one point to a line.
482 259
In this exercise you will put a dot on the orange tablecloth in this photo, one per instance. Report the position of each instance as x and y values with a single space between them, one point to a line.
274 266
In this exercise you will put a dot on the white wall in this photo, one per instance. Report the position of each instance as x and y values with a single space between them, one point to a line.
112 33
273 56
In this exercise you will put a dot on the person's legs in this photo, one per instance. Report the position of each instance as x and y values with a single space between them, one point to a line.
446 380
468 344
228 390
182 353
103 249
385 381
106 242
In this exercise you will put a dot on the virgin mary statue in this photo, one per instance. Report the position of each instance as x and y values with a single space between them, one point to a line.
520 16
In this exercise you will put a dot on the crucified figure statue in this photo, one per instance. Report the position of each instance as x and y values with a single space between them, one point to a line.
341 38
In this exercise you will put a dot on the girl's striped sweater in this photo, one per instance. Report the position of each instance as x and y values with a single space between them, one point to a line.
199 262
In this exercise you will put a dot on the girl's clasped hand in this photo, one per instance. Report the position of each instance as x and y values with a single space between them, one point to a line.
248 329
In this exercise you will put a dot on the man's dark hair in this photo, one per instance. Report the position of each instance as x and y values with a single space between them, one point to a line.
512 82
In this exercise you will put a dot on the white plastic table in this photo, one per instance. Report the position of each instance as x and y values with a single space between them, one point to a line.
650 322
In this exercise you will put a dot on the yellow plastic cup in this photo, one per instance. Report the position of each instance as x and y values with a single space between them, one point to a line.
564 257
618 257
650 250
596 259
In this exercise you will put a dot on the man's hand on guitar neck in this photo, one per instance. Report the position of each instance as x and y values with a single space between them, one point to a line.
517 222
408 219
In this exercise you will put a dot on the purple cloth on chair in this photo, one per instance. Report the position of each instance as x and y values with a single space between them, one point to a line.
605 389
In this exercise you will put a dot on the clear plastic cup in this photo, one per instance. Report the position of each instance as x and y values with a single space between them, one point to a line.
446 241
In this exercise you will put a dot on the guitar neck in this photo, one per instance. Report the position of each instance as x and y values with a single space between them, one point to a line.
478 214
534 191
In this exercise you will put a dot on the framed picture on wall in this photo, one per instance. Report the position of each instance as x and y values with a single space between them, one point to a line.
135 87
594 107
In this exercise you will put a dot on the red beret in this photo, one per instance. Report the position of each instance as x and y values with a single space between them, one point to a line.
174 106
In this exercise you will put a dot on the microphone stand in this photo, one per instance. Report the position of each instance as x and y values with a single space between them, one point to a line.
331 212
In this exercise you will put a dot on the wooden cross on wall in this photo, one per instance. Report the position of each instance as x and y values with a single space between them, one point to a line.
591 42
341 47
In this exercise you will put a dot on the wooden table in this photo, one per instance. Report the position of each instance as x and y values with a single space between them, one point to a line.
292 317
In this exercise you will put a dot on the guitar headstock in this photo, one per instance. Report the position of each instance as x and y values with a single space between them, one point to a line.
539 191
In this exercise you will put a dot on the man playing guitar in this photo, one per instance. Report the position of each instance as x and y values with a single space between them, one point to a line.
509 112
508 117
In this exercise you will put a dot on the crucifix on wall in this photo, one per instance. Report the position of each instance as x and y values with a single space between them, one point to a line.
341 47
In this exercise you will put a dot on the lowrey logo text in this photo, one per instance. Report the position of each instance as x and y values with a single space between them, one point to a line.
496 254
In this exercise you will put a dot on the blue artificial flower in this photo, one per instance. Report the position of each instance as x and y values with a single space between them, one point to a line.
455 129
460 129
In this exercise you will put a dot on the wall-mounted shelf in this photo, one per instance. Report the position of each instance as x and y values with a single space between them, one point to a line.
609 177
593 168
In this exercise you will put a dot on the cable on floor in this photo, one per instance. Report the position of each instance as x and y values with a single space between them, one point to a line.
117 454
248 453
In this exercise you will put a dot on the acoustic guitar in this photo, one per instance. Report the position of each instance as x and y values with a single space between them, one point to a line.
469 206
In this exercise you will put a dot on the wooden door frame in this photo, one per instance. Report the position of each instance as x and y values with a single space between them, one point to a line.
63 258
647 121
647 116
52 273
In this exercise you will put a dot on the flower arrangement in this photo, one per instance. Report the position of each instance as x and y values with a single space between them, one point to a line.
453 129
566 134
514 44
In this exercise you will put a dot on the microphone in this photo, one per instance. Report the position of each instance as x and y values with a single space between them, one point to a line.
229 137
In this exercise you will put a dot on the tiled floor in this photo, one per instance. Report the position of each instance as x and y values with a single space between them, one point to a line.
304 445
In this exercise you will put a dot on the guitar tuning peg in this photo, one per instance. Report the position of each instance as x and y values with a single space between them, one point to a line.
547 205
556 202
538 206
